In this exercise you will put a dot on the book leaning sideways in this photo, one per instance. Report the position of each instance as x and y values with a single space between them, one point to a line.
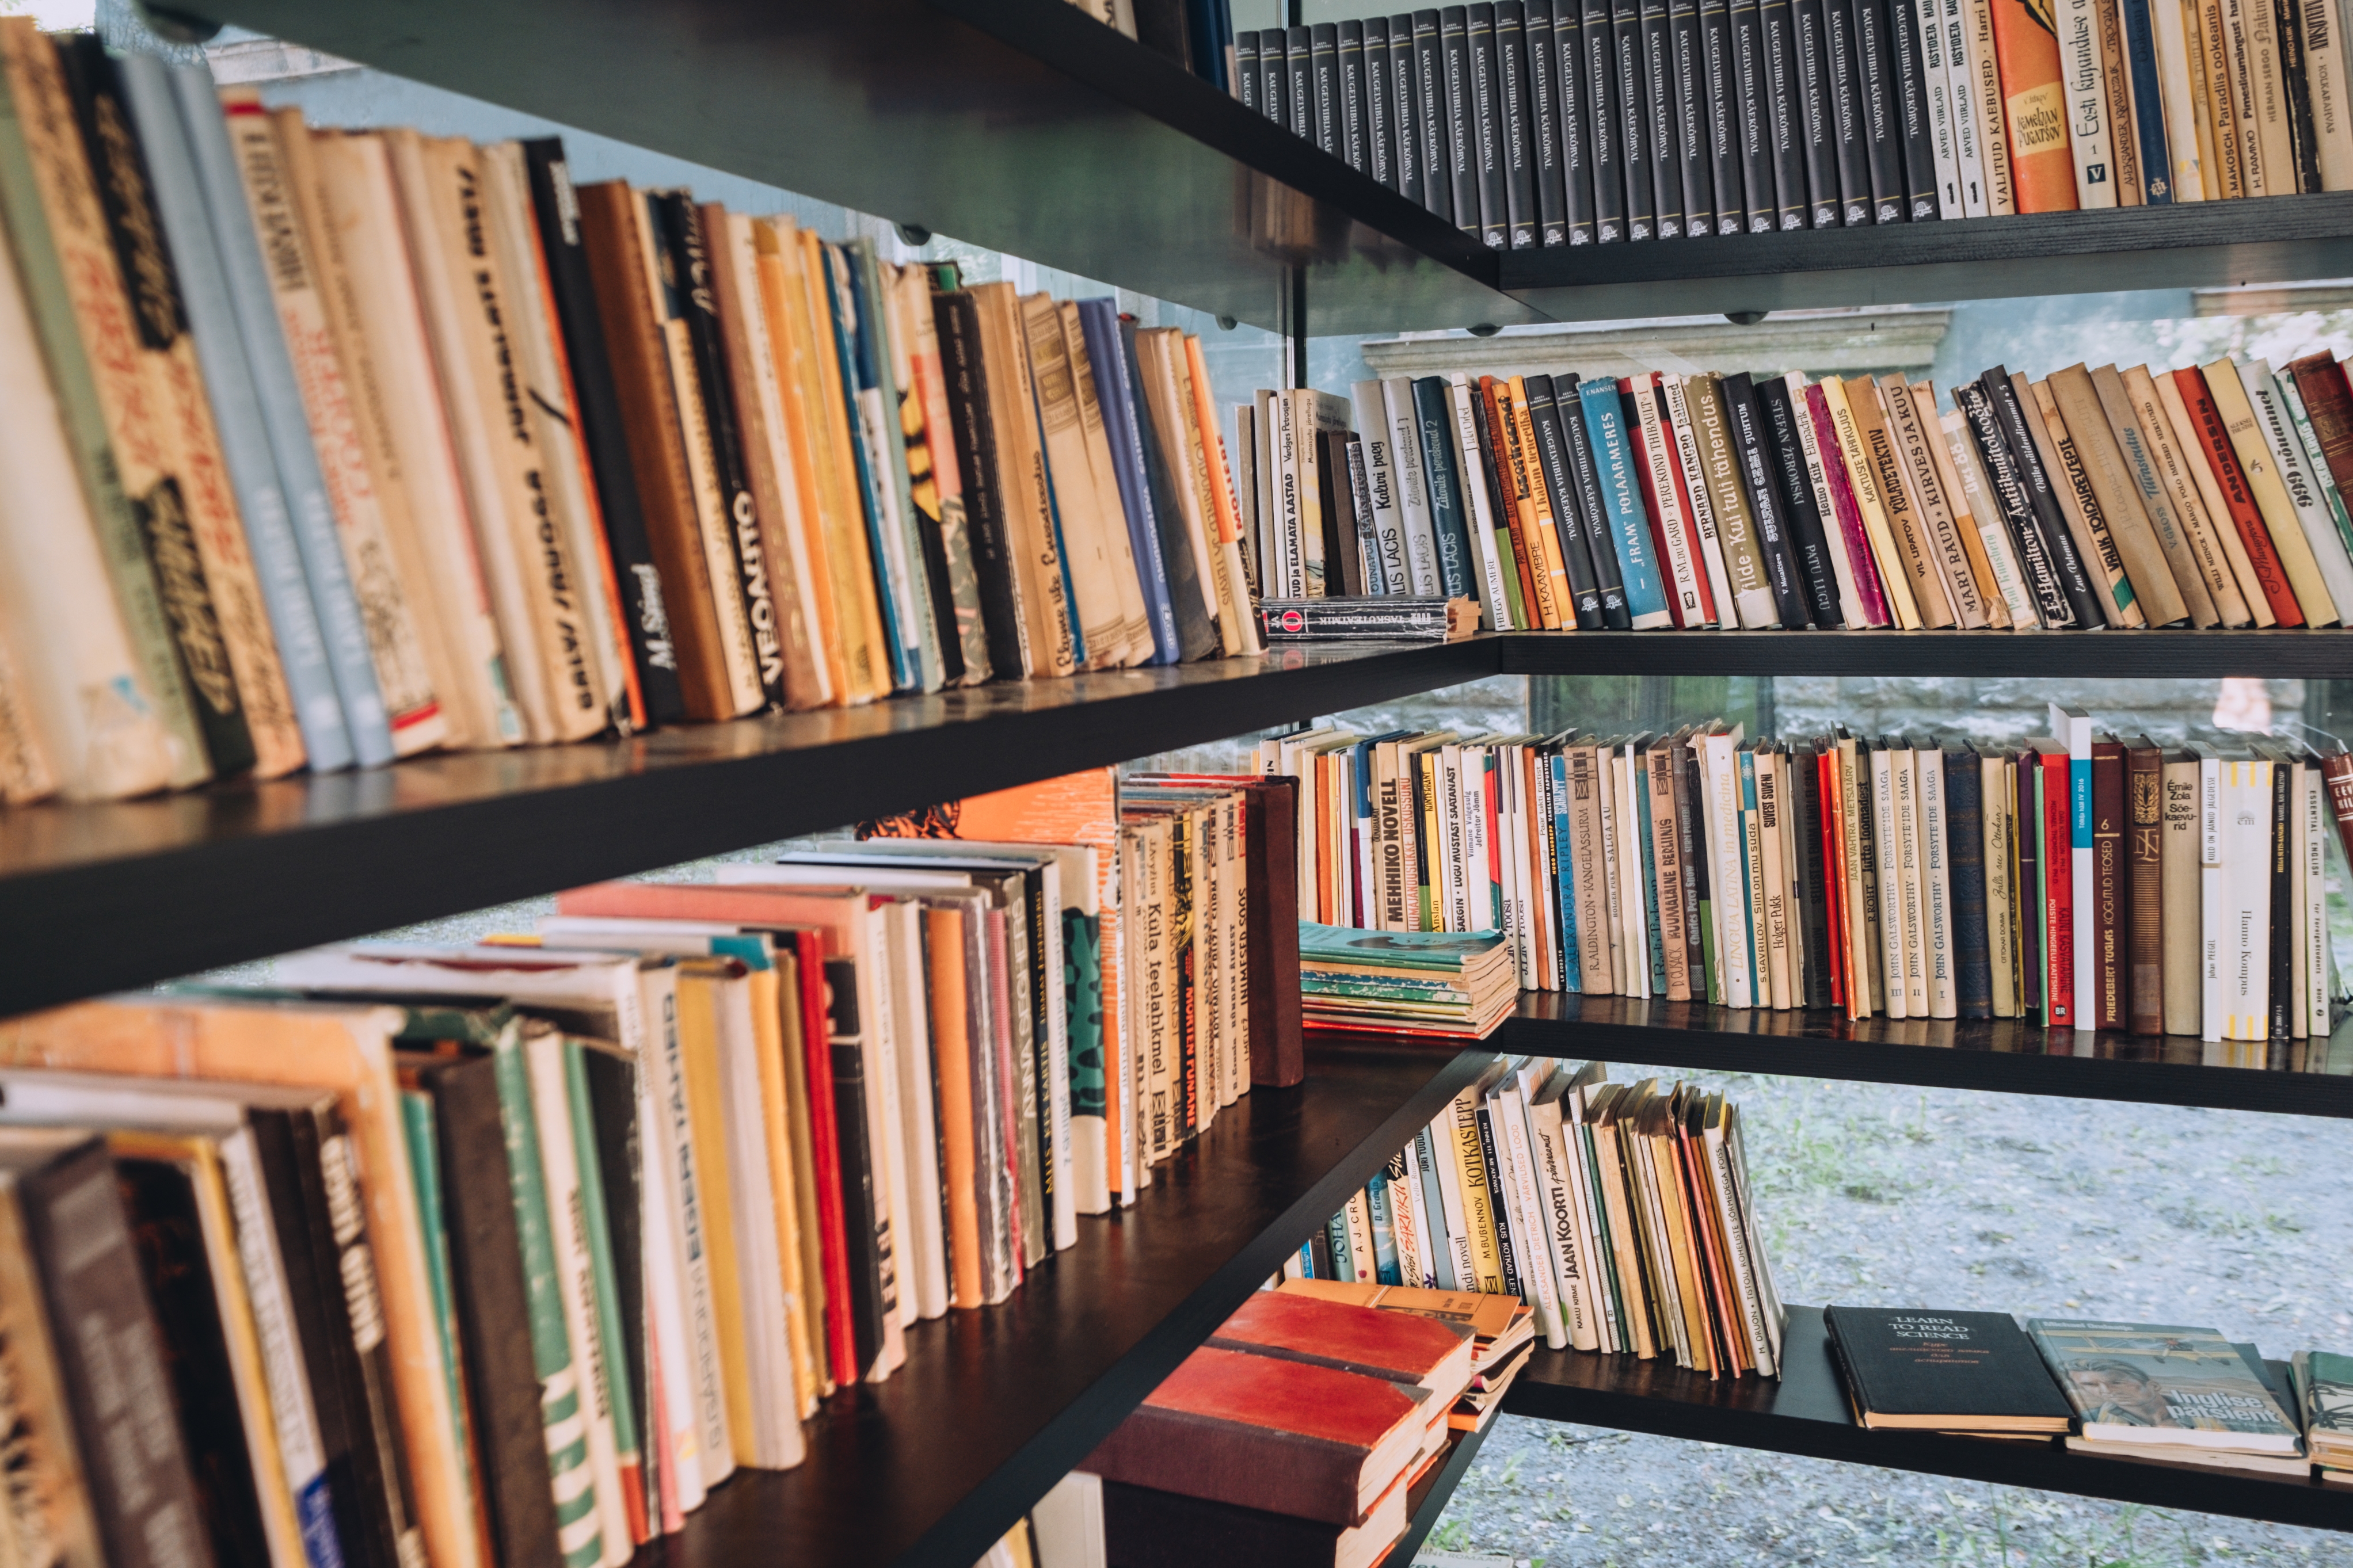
2157 1385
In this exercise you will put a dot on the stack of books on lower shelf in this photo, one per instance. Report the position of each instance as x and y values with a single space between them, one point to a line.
1502 1329
2078 880
1417 982
2092 497
655 1176
2172 1395
1622 1215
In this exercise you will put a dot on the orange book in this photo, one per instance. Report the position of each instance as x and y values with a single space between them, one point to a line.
954 1059
1517 514
2034 106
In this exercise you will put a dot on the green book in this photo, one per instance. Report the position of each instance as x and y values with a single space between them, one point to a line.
425 1169
599 1225
1440 950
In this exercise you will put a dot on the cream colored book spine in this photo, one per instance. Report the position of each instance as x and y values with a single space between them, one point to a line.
2242 46
1911 864
2260 461
404 675
1893 576
1119 546
1772 809
1940 949
2141 466
2223 535
2267 67
1971 538
2296 464
2177 64
1885 839
2089 128
2130 536
1094 595
2205 561
1994 775
2080 503
80 717
434 531
1985 70
1940 537
1976 491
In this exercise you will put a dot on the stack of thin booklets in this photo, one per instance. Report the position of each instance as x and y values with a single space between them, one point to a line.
1415 982
2323 1382
1505 1330
1297 1435
2171 1395
1910 1369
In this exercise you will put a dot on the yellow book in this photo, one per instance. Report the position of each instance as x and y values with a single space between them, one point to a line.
776 1003
699 1000
1477 1201
841 514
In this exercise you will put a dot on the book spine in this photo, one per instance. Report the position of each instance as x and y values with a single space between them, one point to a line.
1662 119
1806 536
1462 121
1883 108
1273 78
2058 550
1519 151
1849 110
2284 903
1908 75
1817 110
1756 476
1645 596
2115 916
1355 141
1820 433
2148 103
2034 108
1434 415
2084 83
1299 82
1604 126
1586 473
2326 71
1944 114
1634 148
1786 117
1687 115
1323 89
1569 528
1544 124
1430 109
1720 104
1384 122
1754 123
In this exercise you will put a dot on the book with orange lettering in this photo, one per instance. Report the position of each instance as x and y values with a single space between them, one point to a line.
2034 105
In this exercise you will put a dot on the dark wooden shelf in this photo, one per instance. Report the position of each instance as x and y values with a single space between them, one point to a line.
936 1463
2201 245
1436 1491
2301 1078
1805 1412
2176 655
99 897
1022 125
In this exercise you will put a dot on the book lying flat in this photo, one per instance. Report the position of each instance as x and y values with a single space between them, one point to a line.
2158 1384
1944 1372
1427 1352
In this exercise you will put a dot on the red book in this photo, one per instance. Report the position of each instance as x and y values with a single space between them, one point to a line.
2058 866
2246 519
1691 517
2111 896
2329 404
1258 1432
1403 1347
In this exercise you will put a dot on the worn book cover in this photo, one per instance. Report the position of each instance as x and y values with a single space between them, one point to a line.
1943 1370
2155 1383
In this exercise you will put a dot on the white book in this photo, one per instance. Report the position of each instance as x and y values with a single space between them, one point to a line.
1539 1272
1936 885
1944 135
2245 832
1559 1203
1481 522
2073 725
2210 895
2176 64
2084 85
1414 1256
2313 952
1734 944
1613 915
1995 779
1887 838
1630 832
1993 144
1449 1192
1702 512
1067 1524
2304 488
1412 485
2299 901
678 1424
1681 572
1971 115
1752 865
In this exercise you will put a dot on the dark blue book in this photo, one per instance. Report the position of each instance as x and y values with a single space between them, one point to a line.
2140 57
1591 512
1197 634
858 375
1433 417
1107 357
1621 499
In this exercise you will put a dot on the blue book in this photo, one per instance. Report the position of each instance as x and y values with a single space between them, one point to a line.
888 399
1563 875
1658 955
2141 56
1622 498
1107 359
1384 1252
244 435
1433 418
850 329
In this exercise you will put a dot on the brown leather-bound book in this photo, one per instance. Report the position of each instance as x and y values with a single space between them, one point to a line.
1403 1347
610 217
1307 1441
2111 906
2144 884
2329 404
2336 772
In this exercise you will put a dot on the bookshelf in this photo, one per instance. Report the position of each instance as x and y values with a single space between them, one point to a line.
1805 1412
1025 126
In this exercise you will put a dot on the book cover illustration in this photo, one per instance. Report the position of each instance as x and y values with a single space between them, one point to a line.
2124 1375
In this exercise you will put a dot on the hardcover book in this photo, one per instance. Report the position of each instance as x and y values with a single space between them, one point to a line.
2158 1384
1943 1371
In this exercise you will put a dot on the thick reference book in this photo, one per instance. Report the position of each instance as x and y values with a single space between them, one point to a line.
1944 1372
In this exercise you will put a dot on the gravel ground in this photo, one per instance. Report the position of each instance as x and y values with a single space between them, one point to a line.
1880 1196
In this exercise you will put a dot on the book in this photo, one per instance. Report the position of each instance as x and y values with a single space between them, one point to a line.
1943 1370
2161 1387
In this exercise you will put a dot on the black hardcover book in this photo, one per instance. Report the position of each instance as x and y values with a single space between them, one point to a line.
1274 78
1848 138
1246 70
493 1309
1164 27
1761 211
1912 1368
2287 26
1690 98
1808 534
1560 484
604 437
957 319
685 261
1722 106
1299 73
1544 126
1911 96
1603 128
1983 418
1592 514
1197 633
1570 90
167 1235
1341 563
1324 85
1809 885
1429 108
111 1357
1663 120
1882 122
1794 205
1756 478
863 1220
1405 119
1514 92
1817 114
1319 1266
1507 1245
1433 414
1691 850
1461 112
1633 118
1965 859
1380 118
2067 563
1352 95
1484 74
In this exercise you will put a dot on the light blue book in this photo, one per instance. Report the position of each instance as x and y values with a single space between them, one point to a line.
841 294
1565 876
874 348
1622 498
1384 1222
279 563
1344 1262
1658 954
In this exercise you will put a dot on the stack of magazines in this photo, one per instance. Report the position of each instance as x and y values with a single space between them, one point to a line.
1419 983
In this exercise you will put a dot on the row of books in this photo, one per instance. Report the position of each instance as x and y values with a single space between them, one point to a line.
637 1187
1622 1213
1540 123
2207 496
334 446
2076 879
2164 1393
